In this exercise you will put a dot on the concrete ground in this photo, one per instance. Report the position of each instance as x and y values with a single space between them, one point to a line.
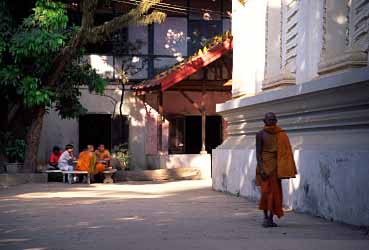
173 215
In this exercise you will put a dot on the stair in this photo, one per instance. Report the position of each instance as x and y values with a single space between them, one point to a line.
184 173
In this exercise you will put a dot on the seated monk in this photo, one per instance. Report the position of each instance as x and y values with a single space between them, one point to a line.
87 160
102 158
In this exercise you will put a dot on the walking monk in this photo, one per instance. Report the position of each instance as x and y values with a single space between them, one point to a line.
274 162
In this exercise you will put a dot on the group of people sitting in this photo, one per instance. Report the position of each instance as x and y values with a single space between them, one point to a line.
93 161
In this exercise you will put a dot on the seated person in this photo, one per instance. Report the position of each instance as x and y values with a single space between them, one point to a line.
65 161
87 160
54 157
102 158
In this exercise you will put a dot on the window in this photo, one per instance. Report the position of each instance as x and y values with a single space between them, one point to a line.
115 45
200 32
176 135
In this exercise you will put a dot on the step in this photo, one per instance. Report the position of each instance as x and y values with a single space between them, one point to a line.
185 173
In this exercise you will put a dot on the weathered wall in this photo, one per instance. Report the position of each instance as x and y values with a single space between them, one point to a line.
142 121
61 132
328 124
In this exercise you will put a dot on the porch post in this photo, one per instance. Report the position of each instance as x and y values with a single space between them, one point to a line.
203 131
160 122
203 121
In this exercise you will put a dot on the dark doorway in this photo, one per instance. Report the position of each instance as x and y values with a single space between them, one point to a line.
119 131
94 129
193 133
214 132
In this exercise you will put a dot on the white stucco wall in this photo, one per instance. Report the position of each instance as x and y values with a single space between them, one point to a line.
325 113
56 132
328 124
248 28
60 132
309 40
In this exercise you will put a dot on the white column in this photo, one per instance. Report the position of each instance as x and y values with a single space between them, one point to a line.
359 27
345 27
281 49
273 39
309 40
248 27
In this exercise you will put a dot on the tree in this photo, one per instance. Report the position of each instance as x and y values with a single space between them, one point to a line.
40 67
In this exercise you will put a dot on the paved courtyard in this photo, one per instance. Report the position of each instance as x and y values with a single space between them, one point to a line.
137 216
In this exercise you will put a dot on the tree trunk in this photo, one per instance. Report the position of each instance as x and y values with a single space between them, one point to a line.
33 140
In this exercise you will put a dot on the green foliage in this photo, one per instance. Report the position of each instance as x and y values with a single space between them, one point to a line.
10 76
30 50
36 43
6 28
39 59
42 34
15 150
120 152
48 15
33 94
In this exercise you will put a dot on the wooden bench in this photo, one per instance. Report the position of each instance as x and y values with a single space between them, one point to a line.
48 172
108 173
75 172
52 171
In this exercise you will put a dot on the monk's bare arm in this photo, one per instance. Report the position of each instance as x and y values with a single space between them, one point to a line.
259 147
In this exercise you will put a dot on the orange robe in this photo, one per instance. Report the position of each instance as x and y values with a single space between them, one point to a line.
86 162
278 163
100 167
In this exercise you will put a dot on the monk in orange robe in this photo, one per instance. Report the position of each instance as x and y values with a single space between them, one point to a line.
87 160
274 163
102 158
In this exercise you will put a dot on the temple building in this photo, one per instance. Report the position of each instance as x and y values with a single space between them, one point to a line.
177 72
306 61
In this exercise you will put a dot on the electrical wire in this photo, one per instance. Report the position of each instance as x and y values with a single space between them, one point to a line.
177 6
155 7
180 9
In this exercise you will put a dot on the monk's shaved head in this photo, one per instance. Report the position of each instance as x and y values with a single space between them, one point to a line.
270 114
270 119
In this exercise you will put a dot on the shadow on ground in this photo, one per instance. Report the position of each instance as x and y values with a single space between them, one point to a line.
162 215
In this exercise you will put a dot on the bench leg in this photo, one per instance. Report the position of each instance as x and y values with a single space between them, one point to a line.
88 179
108 179
63 178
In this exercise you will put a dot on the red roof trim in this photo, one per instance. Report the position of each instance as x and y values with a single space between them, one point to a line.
189 67
196 63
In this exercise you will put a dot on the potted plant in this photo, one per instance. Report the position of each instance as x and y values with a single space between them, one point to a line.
120 152
15 152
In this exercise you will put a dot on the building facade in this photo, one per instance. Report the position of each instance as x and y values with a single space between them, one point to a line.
155 138
307 61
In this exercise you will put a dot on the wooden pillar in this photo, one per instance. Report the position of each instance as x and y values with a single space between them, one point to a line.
160 122
203 121
203 132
